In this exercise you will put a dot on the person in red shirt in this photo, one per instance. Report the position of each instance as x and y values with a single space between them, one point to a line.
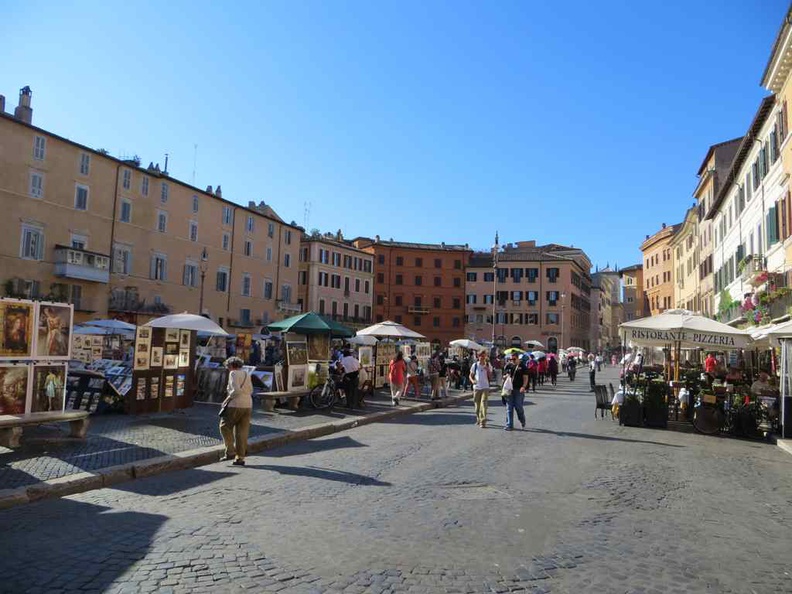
396 377
542 369
710 363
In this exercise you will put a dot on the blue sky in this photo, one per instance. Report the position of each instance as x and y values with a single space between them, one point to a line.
575 122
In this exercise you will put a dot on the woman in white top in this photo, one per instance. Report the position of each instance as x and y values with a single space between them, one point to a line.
236 412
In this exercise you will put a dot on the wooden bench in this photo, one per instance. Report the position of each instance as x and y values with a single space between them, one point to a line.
602 402
11 425
268 399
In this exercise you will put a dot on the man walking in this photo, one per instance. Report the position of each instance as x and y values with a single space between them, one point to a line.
480 375
516 398
592 373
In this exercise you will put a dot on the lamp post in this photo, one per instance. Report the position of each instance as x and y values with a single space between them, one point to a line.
203 265
563 299
494 283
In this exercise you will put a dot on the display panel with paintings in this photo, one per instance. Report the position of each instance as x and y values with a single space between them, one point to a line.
170 381
296 353
171 361
171 335
365 354
184 339
49 388
184 358
54 330
14 389
16 329
156 357
298 377
141 361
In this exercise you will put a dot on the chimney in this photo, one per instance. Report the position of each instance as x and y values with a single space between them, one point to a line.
209 190
376 239
2 103
664 225
24 112
219 192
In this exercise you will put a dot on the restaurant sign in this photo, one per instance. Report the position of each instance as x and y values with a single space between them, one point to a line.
689 337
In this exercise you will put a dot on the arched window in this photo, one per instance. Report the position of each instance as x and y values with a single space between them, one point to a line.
516 341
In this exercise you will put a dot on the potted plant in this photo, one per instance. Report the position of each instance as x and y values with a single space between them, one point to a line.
631 412
655 404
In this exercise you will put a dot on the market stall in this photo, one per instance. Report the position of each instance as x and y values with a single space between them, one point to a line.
389 334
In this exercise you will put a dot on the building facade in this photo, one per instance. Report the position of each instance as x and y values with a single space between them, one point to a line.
658 269
636 304
684 246
419 285
605 326
529 292
336 279
117 239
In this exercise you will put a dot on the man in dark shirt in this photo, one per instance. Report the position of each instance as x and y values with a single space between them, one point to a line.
514 401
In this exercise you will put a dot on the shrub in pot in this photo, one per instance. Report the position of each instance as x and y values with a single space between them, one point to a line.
655 405
631 412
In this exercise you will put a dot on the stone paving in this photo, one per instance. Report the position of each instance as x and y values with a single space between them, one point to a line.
431 503
47 452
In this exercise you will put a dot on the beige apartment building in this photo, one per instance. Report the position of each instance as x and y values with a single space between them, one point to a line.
606 301
336 279
529 292
636 305
658 269
712 172
684 245
121 240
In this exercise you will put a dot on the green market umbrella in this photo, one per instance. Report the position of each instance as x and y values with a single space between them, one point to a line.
310 323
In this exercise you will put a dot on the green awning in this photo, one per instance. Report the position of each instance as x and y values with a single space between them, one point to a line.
311 323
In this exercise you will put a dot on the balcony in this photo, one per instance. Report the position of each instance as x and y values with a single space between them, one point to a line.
288 307
417 309
128 301
752 268
81 264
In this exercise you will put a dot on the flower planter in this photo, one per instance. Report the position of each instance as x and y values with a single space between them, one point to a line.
631 413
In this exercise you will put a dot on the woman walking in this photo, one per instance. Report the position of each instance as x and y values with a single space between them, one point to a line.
236 411
396 377
413 379
515 399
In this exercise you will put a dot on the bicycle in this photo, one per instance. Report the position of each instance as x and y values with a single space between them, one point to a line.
714 414
324 396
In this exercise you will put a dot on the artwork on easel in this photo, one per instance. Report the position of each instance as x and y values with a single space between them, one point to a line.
14 381
365 356
54 330
16 329
49 388
298 377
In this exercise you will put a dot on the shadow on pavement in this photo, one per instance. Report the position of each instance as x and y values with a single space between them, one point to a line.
600 437
173 482
435 418
65 545
329 474
314 445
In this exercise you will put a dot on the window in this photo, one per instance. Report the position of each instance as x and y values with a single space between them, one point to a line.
457 303
456 322
244 315
39 148
417 301
438 263
488 299
380 300
126 179
287 260
190 275
552 318
418 280
416 320
399 279
195 203
36 187
81 197
436 321
437 302
226 215
162 221
302 277
418 262
270 229
193 231
246 285
164 192
457 282
381 259
226 242
32 243
248 247
126 211
438 281
324 279
489 277
552 274
380 277
552 297
398 300
288 236
471 277
122 259
399 261
324 256
357 286
159 267
398 319
85 163
516 295
335 281
470 299
321 306
222 280
532 297
286 294
366 287
267 289
250 226
532 319
336 259
144 183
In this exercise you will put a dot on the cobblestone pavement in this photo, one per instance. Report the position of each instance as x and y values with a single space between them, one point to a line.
431 503
47 452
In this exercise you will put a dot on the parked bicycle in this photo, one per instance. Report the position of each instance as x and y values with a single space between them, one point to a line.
325 396
715 414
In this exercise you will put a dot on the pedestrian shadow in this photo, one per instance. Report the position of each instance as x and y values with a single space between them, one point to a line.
62 544
599 437
328 474
314 445
172 482
435 419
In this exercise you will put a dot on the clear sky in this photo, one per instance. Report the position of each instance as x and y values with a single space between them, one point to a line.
573 122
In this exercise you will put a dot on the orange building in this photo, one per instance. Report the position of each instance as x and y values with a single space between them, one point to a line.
420 285
636 305
658 269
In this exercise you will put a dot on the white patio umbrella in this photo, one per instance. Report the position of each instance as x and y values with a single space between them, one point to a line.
388 329
363 340
466 344
112 325
679 326
92 331
534 343
188 321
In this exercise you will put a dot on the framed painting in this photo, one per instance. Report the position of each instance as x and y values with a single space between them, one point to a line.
49 388
53 340
184 339
171 335
16 329
296 353
365 356
171 361
318 347
142 361
156 356
298 377
14 384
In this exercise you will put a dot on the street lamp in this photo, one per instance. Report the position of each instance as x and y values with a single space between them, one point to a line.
563 299
494 283
204 265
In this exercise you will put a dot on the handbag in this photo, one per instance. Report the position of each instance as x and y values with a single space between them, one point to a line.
507 386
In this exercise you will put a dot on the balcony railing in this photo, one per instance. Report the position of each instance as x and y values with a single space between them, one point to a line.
81 264
288 307
417 309
128 300
753 265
